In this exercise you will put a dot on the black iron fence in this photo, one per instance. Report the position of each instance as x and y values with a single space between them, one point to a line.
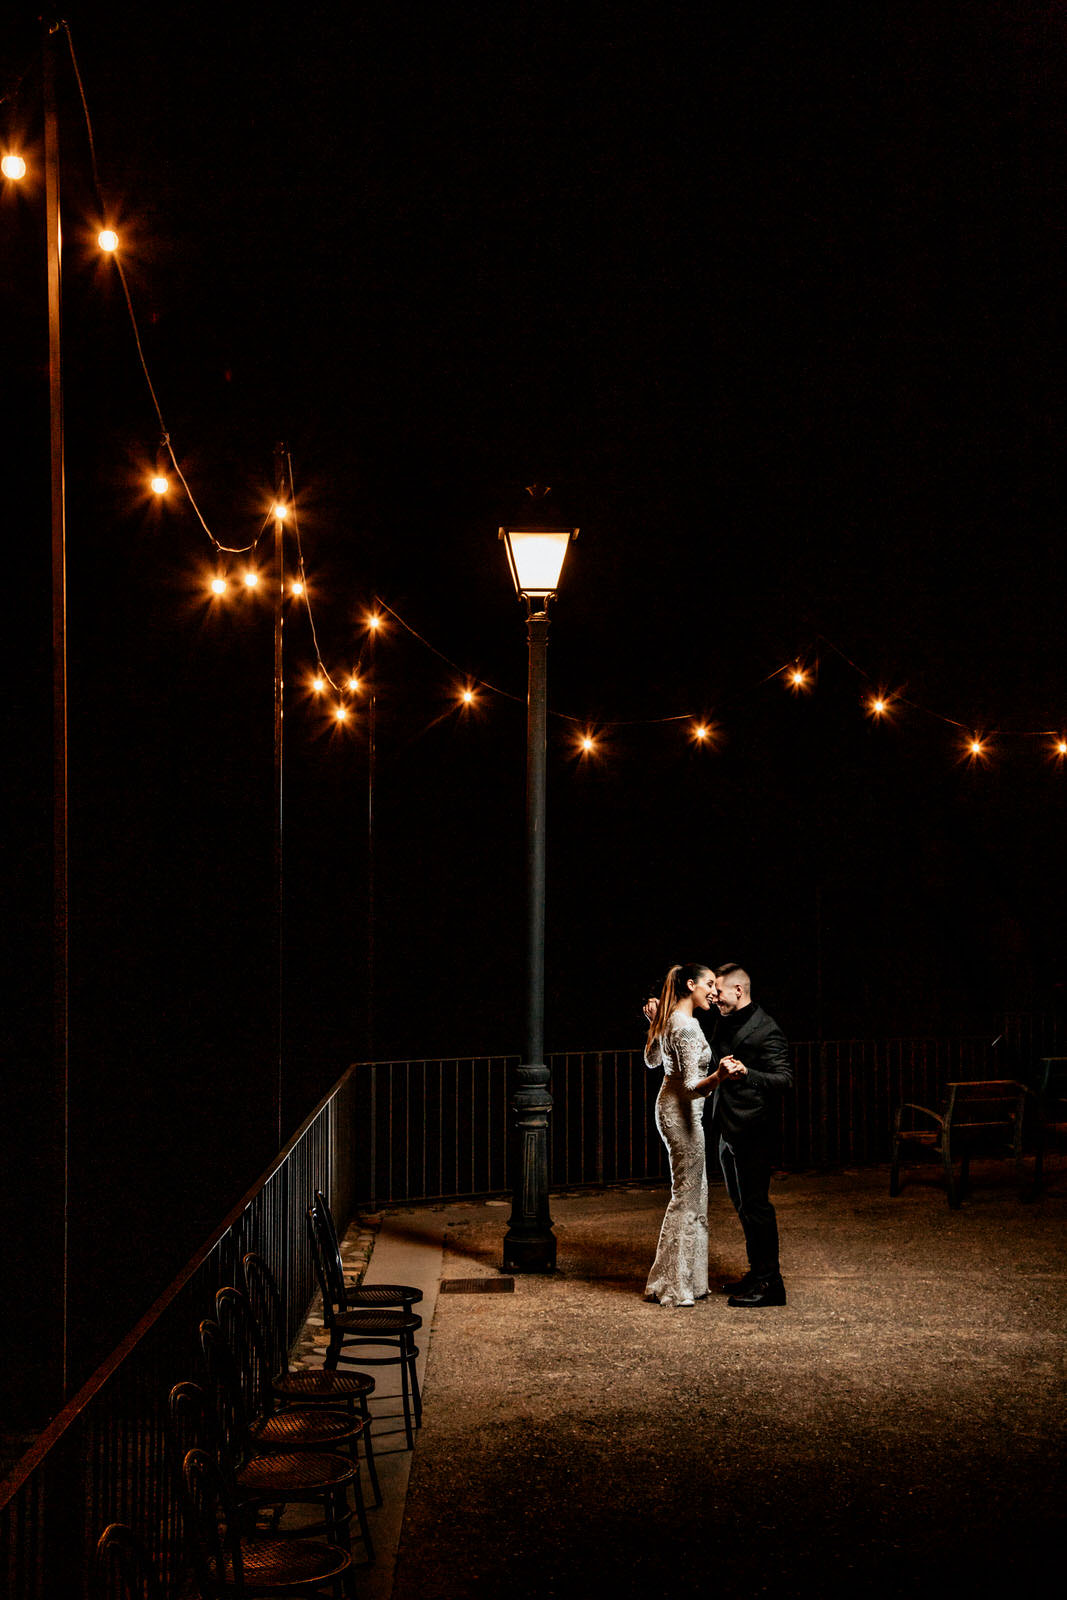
438 1129
104 1458
404 1132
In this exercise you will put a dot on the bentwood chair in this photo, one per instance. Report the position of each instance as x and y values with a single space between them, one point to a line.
229 1560
977 1118
363 1296
364 1328
263 1486
248 1419
308 1386
122 1568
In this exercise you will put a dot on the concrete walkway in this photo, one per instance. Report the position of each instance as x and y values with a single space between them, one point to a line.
898 1428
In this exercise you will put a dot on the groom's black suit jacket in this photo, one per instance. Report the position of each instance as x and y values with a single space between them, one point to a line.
741 1107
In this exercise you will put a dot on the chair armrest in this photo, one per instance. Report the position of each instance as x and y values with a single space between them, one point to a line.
910 1105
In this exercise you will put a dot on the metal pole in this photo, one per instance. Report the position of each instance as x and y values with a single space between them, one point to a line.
279 751
530 1244
60 831
370 877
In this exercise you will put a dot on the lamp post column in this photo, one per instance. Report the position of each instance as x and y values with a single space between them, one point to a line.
530 1244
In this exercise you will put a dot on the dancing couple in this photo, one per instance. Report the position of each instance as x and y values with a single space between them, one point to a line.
743 1066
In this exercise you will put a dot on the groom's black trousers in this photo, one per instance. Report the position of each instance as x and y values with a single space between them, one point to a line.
747 1170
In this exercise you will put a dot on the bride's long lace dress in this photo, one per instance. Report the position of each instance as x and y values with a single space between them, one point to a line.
680 1271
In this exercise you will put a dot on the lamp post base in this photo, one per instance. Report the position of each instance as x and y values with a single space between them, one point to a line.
530 1254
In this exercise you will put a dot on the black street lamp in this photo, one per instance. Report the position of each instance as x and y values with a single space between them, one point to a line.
536 544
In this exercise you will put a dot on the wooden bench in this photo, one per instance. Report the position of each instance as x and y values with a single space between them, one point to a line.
977 1118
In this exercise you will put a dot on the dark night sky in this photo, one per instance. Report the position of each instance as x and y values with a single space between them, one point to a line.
775 305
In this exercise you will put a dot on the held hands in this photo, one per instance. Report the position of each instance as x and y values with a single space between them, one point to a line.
650 1008
730 1067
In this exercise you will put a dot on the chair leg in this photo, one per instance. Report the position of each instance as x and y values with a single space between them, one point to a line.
950 1176
368 1450
415 1392
894 1170
405 1395
361 1513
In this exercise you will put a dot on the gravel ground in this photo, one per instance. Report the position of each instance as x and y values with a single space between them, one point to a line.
897 1428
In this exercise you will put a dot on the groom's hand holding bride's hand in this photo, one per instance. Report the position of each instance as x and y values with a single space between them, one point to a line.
734 1068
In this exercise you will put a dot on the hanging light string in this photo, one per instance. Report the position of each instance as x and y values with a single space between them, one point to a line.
797 674
164 432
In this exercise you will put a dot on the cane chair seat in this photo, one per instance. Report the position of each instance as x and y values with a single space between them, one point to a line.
291 1473
361 1294
305 1430
270 1564
316 1384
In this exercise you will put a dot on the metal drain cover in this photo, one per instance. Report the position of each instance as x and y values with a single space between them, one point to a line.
477 1285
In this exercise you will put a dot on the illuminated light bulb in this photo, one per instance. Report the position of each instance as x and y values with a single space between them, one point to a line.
586 743
218 585
374 622
13 167
341 713
798 677
108 239
353 685
976 747
700 731
297 588
467 696
878 707
160 484
280 510
251 578
318 684
1061 747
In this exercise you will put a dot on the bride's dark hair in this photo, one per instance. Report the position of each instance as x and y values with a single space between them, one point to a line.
675 988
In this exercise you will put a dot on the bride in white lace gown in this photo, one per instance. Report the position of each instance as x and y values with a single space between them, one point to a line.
676 1042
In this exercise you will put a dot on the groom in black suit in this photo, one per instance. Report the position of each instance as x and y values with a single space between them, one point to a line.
755 1052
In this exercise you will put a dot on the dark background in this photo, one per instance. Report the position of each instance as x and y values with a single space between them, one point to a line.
774 306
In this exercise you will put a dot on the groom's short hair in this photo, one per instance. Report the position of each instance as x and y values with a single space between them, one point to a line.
735 973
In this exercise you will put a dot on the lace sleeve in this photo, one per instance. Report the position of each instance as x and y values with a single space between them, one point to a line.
694 1053
654 1054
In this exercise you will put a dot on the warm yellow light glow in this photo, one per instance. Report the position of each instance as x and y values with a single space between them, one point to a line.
341 713
976 747
297 588
318 684
279 510
467 696
1061 747
700 731
251 578
107 239
798 677
13 167
536 560
353 685
878 706
160 484
218 585
374 622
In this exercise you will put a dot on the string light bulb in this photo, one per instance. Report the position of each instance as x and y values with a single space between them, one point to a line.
13 166
279 510
218 584
318 683
341 712
797 677
373 621
296 588
353 684
160 483
108 240
1060 747
700 732
251 578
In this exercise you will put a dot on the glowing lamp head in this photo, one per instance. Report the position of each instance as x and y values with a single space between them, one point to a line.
218 585
160 484
536 544
108 240
13 167
251 578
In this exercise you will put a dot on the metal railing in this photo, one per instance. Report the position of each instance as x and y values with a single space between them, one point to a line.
105 1458
438 1129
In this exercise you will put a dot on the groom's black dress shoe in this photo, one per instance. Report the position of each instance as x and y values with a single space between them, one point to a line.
743 1285
760 1294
